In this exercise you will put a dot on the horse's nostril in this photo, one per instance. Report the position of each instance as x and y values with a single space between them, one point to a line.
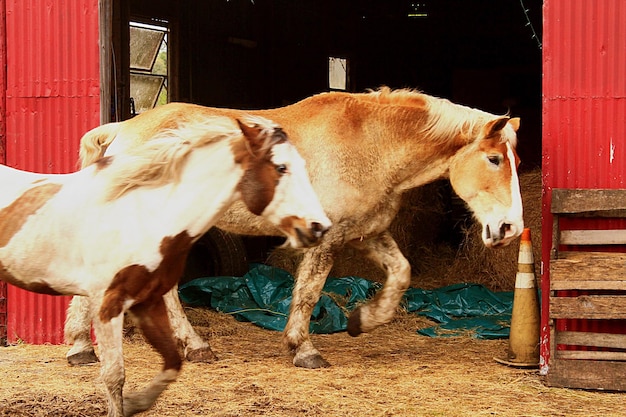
488 232
318 229
506 227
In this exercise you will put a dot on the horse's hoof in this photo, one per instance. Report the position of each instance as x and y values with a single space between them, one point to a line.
354 323
314 361
204 354
87 357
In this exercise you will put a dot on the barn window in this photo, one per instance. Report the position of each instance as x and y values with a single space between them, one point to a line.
148 66
337 73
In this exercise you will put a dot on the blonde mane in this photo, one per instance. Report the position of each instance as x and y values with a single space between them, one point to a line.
444 119
160 160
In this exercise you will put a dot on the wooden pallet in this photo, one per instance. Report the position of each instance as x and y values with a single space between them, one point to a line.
587 285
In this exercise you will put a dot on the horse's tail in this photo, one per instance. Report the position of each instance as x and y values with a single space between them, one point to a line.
94 143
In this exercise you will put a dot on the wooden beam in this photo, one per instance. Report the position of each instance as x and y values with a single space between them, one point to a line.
595 339
588 307
571 201
587 374
593 237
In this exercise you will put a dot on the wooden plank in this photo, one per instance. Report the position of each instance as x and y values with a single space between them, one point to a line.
588 271
593 237
616 258
591 355
588 307
588 285
587 374
569 201
607 340
556 237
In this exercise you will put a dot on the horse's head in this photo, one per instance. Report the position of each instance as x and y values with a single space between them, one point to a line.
484 174
276 185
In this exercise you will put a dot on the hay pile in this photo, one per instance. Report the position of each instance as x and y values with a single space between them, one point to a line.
422 230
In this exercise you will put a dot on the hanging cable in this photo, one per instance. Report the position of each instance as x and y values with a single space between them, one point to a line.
529 23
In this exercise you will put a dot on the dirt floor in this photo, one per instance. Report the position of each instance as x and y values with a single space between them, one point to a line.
390 372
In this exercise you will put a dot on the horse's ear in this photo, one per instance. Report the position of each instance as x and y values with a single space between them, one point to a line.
494 126
514 122
251 133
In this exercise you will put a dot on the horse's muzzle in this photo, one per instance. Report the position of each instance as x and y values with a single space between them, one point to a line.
311 235
500 236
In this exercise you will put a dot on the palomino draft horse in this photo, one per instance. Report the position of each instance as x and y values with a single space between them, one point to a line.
119 230
363 152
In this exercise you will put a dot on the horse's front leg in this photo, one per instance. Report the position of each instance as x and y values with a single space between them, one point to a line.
383 250
151 317
310 278
109 334
196 348
78 332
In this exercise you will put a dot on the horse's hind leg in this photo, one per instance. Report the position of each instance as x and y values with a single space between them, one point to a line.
196 348
380 310
310 278
155 326
78 332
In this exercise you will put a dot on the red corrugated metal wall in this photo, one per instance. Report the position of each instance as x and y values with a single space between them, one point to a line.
584 113
3 56
51 99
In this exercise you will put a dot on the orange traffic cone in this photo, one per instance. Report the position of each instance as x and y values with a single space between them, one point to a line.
524 336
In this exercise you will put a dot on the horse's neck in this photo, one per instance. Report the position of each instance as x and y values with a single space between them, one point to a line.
426 150
206 188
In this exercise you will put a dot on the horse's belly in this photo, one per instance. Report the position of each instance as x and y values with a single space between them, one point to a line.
31 278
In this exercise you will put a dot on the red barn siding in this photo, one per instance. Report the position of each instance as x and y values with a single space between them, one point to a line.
51 98
584 114
3 286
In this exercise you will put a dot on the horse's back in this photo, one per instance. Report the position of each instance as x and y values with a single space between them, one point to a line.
15 183
325 128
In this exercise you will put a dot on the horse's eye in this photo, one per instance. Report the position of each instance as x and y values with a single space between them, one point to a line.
281 169
494 159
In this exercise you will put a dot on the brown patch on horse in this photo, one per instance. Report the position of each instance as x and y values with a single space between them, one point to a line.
15 215
293 223
155 326
137 283
260 177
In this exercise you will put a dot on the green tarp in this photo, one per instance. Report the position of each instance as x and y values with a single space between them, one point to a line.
263 296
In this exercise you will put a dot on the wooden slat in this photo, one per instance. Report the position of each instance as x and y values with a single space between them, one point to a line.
593 237
588 307
569 201
606 340
594 355
587 374
588 271
614 259
592 285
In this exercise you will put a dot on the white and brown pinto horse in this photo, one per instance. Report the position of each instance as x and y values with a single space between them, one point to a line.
119 230
363 152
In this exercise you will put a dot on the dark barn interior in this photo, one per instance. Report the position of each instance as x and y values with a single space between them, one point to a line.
267 53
